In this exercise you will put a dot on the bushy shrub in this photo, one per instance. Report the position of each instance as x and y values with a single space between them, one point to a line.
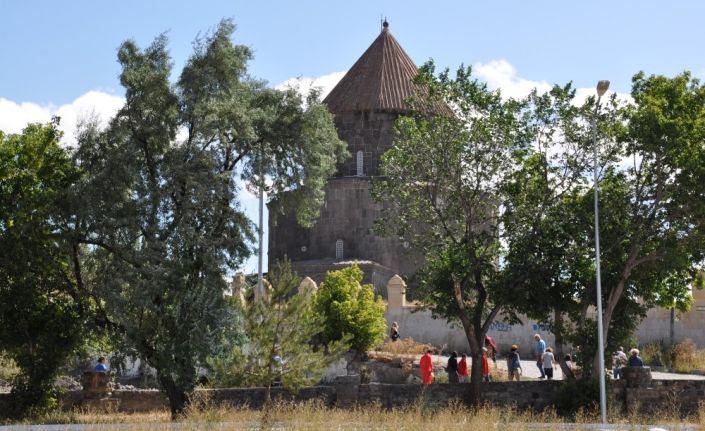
351 309
656 354
578 395
686 357
8 367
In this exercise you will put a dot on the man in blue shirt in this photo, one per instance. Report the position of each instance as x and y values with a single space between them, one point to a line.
540 349
100 367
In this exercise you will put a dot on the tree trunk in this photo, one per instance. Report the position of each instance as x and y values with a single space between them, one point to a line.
560 355
177 397
613 299
476 378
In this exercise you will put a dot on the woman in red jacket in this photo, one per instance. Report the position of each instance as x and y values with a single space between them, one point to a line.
426 366
463 369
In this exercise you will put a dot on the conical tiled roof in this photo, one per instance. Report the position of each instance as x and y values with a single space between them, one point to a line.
380 80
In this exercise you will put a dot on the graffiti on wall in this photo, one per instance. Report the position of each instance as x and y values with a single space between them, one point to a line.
546 327
498 326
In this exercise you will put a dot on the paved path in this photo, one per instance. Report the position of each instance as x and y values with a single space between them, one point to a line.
531 371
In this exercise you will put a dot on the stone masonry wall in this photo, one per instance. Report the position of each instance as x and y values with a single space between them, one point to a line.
369 132
349 215
639 394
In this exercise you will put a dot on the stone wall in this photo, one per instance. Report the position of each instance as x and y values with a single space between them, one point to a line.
637 393
369 132
532 395
348 216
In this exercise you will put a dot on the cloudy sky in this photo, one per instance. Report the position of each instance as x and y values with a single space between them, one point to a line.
59 57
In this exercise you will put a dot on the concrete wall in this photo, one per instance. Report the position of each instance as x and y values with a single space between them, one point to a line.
657 327
421 326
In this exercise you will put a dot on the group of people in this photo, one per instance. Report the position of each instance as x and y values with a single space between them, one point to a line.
458 370
620 360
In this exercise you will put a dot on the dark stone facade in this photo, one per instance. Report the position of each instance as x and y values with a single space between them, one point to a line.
349 213
368 132
348 216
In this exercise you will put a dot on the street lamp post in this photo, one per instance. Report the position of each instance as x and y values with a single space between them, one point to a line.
602 87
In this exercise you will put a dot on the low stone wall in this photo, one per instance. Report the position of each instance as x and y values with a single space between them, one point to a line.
672 396
533 395
636 393
345 393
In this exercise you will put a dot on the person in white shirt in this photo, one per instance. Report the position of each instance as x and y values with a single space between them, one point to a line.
619 360
549 363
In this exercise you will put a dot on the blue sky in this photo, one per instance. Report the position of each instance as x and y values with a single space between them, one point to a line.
59 57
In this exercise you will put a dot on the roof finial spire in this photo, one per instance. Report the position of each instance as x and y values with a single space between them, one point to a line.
385 24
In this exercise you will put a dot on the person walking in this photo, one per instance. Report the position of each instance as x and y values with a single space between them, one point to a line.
539 349
463 369
426 366
452 368
514 363
549 363
486 377
491 347
394 332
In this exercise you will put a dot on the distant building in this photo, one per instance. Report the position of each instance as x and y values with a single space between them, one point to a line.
366 102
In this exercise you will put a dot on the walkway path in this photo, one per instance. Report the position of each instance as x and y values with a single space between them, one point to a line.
531 371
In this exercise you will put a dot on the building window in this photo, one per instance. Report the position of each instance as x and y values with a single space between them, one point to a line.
339 249
360 160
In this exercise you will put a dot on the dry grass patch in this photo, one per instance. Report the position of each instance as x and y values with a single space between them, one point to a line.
405 346
204 415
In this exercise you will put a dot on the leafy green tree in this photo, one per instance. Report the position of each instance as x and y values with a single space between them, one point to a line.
445 177
655 202
279 339
42 315
350 309
543 256
650 218
159 212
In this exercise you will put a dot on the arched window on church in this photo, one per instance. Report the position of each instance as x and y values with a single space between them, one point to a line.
360 161
339 249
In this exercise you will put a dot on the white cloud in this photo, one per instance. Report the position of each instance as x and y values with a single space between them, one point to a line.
304 83
502 75
15 116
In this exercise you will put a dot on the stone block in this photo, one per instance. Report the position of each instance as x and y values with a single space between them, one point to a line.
637 377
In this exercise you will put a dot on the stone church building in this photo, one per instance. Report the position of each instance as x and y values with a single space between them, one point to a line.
365 103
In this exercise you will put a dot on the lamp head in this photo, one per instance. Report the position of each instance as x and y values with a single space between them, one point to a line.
602 87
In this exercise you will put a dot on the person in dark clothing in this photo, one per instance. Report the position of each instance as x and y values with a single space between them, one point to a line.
394 332
452 368
634 359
